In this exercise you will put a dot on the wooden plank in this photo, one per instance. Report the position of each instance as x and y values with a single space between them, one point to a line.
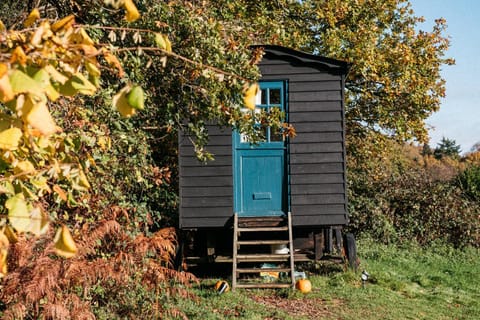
300 76
262 257
318 210
318 199
223 181
301 86
316 147
291 249
206 202
206 171
317 178
215 150
207 192
308 189
319 220
309 168
334 95
262 242
259 270
313 106
192 161
295 72
214 140
199 223
308 137
313 116
305 158
331 126
263 229
206 213
235 252
318 240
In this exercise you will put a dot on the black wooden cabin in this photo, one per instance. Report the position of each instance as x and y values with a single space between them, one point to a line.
305 175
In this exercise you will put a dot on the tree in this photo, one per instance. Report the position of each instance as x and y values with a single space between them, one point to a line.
447 148
68 160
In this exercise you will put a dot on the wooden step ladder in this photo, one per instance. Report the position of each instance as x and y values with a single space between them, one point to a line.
250 238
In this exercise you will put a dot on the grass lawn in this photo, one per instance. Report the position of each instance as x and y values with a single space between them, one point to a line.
405 283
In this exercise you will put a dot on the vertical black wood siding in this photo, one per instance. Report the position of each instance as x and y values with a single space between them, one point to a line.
316 155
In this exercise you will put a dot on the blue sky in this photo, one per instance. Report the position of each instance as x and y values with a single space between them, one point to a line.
459 115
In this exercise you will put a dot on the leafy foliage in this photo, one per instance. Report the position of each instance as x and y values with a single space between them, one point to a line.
416 197
447 148
469 182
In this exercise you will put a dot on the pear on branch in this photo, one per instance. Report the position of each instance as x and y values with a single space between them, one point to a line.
250 95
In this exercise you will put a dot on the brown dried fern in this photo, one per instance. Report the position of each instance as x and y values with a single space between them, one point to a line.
42 285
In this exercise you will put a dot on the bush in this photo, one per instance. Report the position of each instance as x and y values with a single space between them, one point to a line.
413 206
469 182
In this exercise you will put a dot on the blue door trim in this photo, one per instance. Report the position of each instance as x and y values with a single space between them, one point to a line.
260 170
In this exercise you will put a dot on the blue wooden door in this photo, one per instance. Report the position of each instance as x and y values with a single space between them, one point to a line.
259 169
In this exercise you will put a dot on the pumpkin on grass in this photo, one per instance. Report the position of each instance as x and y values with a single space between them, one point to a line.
304 285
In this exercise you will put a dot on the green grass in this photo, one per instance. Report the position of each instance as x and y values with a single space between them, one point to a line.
405 282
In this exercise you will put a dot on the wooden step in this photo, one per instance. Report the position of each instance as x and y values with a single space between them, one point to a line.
258 270
263 285
262 229
251 230
262 257
261 242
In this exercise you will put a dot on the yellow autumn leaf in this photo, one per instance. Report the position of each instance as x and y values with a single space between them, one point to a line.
163 42
32 17
64 244
80 36
61 193
113 61
10 234
4 241
6 91
6 187
55 74
18 55
18 213
39 118
25 167
83 181
3 262
4 244
39 222
250 95
10 138
132 13
3 69
120 103
92 69
43 78
39 33
2 26
78 84
64 23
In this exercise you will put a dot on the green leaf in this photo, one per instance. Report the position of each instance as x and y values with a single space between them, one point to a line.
22 83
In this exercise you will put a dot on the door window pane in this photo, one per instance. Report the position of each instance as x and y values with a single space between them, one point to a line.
275 97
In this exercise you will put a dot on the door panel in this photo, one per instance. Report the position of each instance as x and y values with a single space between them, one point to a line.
259 170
